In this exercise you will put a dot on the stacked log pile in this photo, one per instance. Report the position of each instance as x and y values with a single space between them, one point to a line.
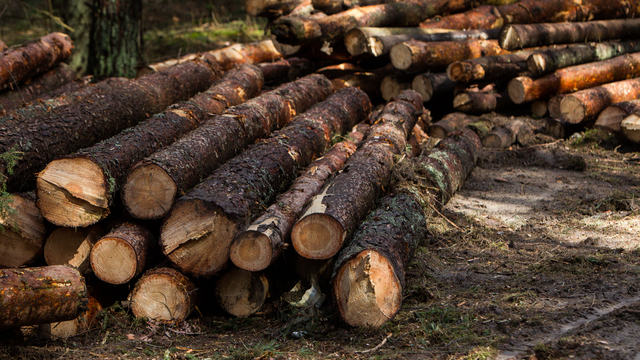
230 166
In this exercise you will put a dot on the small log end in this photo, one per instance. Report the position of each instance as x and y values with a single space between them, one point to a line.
317 236
252 251
148 192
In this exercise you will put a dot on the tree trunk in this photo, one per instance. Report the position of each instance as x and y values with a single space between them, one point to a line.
482 17
630 127
22 232
481 102
419 55
31 59
40 295
430 84
164 294
77 326
122 254
392 85
78 190
240 292
521 36
584 105
245 184
449 124
38 86
178 167
611 117
68 246
271 8
370 271
490 68
262 242
525 89
97 117
284 70
333 214
545 62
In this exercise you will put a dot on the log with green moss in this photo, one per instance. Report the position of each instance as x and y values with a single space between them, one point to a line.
153 184
197 233
490 68
78 190
369 273
345 200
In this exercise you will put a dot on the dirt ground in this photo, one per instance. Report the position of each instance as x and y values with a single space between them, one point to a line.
537 257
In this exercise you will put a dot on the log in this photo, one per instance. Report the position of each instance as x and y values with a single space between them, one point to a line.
504 136
284 70
539 108
611 117
553 106
430 84
490 68
539 11
164 294
40 295
481 102
630 127
240 292
515 37
197 233
78 190
369 82
449 124
68 246
36 87
420 55
23 232
122 254
573 78
73 327
481 17
152 185
263 242
333 214
271 8
36 57
97 117
544 62
584 105
392 85
369 273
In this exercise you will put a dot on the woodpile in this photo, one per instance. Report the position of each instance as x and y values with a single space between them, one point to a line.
244 162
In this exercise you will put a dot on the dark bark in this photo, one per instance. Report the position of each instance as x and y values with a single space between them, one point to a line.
419 55
247 183
433 84
538 11
584 105
490 68
271 8
333 214
22 232
40 295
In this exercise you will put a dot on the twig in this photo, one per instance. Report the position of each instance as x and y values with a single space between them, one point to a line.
384 341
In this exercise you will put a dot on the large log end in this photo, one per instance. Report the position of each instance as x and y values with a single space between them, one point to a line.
317 236
252 251
241 293
163 294
148 192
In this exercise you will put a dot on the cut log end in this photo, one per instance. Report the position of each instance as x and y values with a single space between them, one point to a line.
242 293
463 102
73 192
367 291
510 39
539 108
113 260
423 86
516 91
317 236
401 56
537 64
252 251
631 128
15 250
610 119
148 192
572 110
163 294
355 42
67 246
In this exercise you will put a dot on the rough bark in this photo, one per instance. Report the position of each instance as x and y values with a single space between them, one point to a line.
545 62
420 55
538 11
284 70
78 190
178 167
97 117
369 273
573 78
449 124
490 68
433 84
262 242
36 87
40 295
122 254
22 232
521 36
240 188
611 117
240 292
70 328
68 246
36 57
482 17
164 294
630 128
480 102
584 105
334 213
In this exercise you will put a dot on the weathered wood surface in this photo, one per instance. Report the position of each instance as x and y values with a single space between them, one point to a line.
611 117
240 292
197 233
433 84
573 78
164 175
345 200
490 68
40 295
261 243
69 246
369 273
36 57
22 232
420 55
449 124
164 294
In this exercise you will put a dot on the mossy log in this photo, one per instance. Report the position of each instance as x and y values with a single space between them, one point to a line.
153 184
344 201
449 124
544 62
369 273
574 78
587 104
197 233
490 68
40 295
36 57
261 243
611 117
78 190
164 294
69 246
430 84
480 102
420 55
22 232
73 327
